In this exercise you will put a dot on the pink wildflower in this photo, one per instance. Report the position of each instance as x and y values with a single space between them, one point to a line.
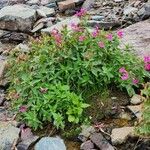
58 39
147 67
120 34
135 81
81 38
122 70
75 27
95 32
54 32
23 108
81 13
109 37
101 45
125 76
147 59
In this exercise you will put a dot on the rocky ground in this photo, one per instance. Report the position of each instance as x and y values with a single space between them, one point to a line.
21 19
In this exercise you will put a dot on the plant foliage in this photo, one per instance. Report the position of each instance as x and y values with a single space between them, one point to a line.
52 80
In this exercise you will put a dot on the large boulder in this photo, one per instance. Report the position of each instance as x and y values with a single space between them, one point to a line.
18 17
138 36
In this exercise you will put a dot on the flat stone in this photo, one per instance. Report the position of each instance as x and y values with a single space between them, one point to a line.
45 2
138 36
50 143
38 27
118 1
33 2
120 135
49 12
17 18
41 13
88 145
128 10
8 135
51 5
136 110
97 18
59 26
101 142
102 24
8 36
136 99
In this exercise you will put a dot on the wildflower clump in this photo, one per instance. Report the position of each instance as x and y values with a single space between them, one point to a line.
60 70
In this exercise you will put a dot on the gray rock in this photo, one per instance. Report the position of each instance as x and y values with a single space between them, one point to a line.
49 12
12 36
88 145
45 2
17 18
8 135
129 10
88 4
141 12
38 27
27 138
138 36
125 115
59 25
101 142
120 135
2 68
51 5
97 18
102 24
118 1
33 2
50 143
137 111
41 13
23 47
136 99
86 132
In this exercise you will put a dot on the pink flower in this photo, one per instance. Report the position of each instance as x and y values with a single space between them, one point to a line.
135 81
120 34
95 32
81 38
75 27
109 37
147 59
23 108
101 45
125 76
81 13
54 32
122 70
58 39
147 67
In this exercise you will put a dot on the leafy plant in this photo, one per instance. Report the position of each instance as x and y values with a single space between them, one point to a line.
53 79
144 127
